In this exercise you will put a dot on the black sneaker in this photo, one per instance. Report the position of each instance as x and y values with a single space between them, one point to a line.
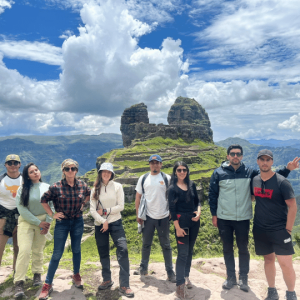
19 289
272 294
171 277
37 279
105 285
229 283
140 271
243 283
291 295
126 291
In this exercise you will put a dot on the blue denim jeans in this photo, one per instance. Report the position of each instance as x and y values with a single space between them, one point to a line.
61 231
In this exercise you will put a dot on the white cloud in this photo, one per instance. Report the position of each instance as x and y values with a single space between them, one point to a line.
105 71
34 51
66 34
293 123
5 4
252 133
56 123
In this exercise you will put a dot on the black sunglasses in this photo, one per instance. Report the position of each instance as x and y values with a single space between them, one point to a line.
67 169
233 154
10 163
181 170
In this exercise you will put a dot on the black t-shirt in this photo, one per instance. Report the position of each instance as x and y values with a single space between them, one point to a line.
271 209
179 202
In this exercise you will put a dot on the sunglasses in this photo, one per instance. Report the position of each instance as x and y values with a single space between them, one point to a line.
181 170
233 154
67 169
10 163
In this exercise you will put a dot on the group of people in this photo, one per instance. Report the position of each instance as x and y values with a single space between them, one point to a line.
28 206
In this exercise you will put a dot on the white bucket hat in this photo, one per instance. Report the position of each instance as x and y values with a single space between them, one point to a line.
107 167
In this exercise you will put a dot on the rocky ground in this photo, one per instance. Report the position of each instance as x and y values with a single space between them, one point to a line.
207 276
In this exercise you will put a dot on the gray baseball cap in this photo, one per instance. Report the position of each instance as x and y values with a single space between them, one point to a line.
266 152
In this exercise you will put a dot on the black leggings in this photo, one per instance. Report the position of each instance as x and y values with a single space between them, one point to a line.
185 246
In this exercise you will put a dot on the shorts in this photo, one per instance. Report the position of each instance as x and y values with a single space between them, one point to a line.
267 242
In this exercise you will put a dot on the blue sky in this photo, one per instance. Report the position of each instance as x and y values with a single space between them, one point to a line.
73 66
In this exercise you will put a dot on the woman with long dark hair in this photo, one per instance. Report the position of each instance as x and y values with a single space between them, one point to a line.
185 209
33 224
106 204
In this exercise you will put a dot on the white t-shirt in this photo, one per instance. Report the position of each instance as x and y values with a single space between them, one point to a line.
8 191
155 194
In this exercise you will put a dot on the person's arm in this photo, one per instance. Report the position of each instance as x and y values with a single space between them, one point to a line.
213 196
120 200
26 214
138 197
45 199
292 212
93 209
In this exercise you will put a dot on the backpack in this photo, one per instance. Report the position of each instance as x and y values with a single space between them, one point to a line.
162 174
2 176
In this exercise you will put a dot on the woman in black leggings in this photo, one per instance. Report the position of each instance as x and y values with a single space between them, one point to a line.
185 211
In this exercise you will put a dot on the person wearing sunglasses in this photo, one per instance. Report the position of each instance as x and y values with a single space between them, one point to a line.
106 204
69 196
275 214
9 184
185 209
231 209
33 225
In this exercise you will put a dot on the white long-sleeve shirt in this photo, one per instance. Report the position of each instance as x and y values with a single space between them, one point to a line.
112 199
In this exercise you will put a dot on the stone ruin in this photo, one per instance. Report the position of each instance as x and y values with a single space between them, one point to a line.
187 120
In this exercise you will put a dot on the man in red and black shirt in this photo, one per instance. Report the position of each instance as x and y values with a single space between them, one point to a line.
69 196
275 213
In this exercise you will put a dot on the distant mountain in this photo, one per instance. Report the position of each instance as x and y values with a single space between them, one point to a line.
49 151
277 143
282 155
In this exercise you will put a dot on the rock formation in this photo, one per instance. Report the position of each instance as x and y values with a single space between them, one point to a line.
187 120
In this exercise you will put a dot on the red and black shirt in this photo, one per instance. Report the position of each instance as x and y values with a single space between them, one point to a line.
67 199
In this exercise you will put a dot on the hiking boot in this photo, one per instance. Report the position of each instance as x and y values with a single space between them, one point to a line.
46 291
126 291
272 294
19 289
229 283
243 283
140 271
181 291
37 279
76 279
105 285
290 295
188 283
171 277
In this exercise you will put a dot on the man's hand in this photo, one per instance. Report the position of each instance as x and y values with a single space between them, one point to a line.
44 231
292 165
215 221
139 220
104 227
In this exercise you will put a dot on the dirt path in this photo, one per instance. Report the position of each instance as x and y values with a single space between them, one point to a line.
207 276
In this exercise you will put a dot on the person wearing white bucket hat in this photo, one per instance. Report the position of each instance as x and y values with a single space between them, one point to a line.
106 204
